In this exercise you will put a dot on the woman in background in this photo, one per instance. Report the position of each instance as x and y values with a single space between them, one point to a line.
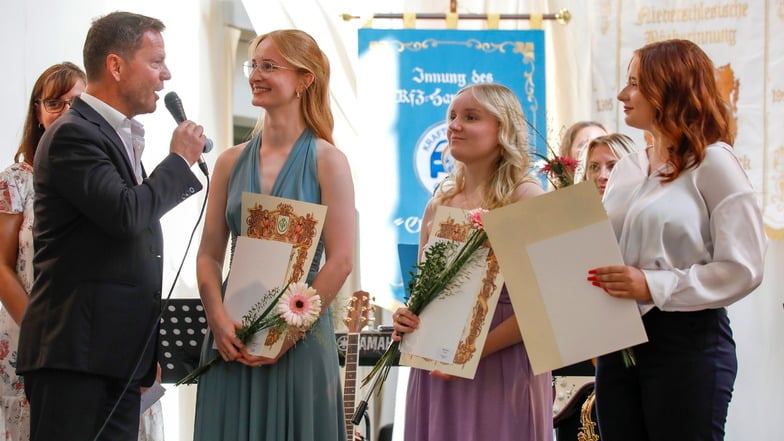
52 95
487 135
601 156
570 396
690 230
577 137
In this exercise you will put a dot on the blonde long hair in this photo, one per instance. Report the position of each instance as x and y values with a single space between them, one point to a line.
618 143
513 165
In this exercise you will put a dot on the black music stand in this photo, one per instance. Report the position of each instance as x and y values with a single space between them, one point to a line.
183 327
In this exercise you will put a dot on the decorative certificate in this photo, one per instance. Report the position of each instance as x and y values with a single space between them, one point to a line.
258 266
294 225
546 245
453 328
285 220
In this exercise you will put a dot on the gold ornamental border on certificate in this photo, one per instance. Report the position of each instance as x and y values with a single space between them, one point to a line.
524 48
282 225
449 229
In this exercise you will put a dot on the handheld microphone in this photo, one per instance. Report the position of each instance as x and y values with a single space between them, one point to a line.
174 105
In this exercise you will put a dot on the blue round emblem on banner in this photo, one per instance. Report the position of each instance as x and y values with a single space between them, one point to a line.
429 164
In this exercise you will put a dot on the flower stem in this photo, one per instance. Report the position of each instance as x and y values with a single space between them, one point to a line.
381 369
629 359
191 377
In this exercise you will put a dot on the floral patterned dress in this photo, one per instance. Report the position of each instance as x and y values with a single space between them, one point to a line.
16 196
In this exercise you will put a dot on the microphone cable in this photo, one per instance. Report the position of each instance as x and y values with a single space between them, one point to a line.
156 323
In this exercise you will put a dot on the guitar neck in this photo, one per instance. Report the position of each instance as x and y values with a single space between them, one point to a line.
350 382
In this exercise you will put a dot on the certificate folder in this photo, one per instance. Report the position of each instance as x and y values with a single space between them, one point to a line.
454 325
545 246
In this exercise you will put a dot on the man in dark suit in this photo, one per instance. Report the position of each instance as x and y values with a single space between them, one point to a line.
88 337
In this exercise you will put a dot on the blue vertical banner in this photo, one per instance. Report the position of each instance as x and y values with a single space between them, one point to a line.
407 79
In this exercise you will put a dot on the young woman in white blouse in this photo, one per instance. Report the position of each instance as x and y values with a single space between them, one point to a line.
691 234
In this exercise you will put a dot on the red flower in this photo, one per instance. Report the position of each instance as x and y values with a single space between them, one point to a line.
4 349
559 170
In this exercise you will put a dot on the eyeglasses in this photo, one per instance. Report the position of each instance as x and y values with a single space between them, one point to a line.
55 105
265 66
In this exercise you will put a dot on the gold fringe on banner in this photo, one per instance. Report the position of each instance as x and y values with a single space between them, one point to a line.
536 20
409 20
493 21
451 20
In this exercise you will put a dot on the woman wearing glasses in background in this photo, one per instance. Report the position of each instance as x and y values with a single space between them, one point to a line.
51 97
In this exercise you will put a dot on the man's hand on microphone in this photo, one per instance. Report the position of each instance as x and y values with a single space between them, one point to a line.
188 141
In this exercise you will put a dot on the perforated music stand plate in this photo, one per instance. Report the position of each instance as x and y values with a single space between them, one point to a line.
182 331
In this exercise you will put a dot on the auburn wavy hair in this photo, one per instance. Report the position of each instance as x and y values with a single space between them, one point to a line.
678 80
513 164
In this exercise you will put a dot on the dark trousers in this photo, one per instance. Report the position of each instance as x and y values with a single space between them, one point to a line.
681 386
66 405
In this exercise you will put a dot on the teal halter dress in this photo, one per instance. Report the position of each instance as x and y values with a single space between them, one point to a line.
299 397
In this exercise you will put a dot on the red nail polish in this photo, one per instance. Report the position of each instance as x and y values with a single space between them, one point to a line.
591 271
592 279
596 284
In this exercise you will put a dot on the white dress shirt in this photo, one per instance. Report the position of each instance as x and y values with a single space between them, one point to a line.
130 131
699 239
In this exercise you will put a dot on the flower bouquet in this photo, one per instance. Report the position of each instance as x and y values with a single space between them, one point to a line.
296 308
441 266
559 170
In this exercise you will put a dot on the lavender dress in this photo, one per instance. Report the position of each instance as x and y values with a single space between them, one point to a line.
504 401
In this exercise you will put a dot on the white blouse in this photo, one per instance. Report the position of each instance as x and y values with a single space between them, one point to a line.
699 239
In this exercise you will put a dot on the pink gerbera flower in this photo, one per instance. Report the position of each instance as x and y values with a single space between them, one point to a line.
299 305
475 217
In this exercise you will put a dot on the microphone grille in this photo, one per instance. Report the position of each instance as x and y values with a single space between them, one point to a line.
174 104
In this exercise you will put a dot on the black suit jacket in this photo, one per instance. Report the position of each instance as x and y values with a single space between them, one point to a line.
98 251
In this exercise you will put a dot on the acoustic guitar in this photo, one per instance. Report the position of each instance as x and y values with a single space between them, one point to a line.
357 317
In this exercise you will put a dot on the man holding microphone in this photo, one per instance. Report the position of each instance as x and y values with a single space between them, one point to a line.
88 337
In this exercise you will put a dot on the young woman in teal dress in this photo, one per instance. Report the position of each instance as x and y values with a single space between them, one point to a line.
296 396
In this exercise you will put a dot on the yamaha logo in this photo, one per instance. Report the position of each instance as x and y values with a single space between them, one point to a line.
342 342
429 166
